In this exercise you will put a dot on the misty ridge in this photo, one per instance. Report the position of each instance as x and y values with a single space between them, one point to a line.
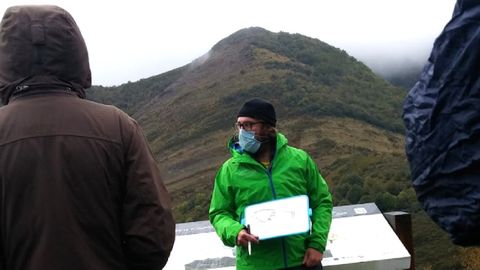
399 72
400 64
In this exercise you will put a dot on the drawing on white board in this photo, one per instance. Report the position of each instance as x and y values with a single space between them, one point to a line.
271 215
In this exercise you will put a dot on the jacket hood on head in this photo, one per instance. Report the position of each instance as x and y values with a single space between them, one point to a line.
41 46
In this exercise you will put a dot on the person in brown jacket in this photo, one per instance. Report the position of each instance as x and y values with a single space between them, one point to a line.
79 186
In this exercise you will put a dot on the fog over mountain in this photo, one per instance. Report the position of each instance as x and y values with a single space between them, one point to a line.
387 64
400 63
145 38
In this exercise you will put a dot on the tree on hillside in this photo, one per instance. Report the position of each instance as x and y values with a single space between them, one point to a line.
470 258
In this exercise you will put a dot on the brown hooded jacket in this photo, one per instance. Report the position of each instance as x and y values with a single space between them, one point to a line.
78 184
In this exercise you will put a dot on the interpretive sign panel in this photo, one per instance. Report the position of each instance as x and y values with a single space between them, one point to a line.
360 238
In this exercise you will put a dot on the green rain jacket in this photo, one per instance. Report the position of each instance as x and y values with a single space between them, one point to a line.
242 181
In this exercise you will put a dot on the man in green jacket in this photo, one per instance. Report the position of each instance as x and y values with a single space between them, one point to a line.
263 167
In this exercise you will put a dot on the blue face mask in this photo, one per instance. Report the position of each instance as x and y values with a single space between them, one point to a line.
247 141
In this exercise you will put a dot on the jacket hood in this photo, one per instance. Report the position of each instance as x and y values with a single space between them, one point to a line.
41 46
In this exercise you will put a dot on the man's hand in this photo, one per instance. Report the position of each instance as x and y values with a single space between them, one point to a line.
244 237
312 257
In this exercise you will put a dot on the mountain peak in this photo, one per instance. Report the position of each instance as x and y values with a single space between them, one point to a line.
245 35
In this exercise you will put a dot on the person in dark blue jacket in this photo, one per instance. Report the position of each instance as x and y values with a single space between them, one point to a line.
442 120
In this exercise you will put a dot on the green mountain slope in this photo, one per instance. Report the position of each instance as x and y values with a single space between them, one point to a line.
188 113
327 103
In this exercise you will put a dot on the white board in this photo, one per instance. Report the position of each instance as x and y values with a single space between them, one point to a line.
278 217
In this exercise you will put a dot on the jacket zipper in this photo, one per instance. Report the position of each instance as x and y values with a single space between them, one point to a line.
272 187
270 180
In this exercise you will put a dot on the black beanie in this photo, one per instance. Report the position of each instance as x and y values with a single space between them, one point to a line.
260 110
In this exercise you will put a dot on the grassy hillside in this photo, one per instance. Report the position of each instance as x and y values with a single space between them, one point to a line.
188 113
327 103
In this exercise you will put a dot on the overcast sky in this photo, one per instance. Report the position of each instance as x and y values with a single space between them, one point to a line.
134 39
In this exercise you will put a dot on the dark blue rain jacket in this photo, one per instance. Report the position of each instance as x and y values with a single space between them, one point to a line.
442 119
